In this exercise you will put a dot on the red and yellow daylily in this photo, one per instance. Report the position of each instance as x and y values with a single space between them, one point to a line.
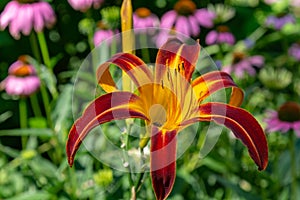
168 100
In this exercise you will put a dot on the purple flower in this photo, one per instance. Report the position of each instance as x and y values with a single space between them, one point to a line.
294 51
278 22
103 33
84 5
286 118
242 64
22 79
220 35
143 19
186 19
23 17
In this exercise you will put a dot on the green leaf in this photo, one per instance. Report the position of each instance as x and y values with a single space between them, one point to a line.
49 79
27 132
56 59
38 122
235 188
36 195
5 116
63 109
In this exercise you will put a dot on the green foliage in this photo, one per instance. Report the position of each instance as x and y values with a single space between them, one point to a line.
39 169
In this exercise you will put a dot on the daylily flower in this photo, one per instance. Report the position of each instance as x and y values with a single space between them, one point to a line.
169 101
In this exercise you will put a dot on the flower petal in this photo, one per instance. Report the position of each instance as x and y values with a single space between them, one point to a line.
243 125
211 82
108 107
177 56
163 161
136 69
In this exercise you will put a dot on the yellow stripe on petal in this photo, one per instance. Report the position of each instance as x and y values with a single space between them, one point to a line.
176 56
130 64
210 83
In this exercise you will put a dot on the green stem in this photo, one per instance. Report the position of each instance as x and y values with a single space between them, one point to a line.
293 165
113 49
34 47
35 105
23 119
145 51
44 49
46 101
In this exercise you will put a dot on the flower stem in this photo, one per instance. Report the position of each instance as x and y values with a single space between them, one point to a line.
145 51
46 58
44 49
293 165
45 98
34 47
23 119
35 105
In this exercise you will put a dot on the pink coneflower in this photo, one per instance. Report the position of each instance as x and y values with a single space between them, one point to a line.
143 19
187 19
278 22
294 51
103 33
84 5
23 15
219 36
22 79
286 118
242 64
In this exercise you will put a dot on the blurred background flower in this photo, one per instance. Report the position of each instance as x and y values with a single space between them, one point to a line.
186 18
242 64
21 80
278 22
294 51
221 35
286 118
275 79
23 16
84 5
103 33
143 18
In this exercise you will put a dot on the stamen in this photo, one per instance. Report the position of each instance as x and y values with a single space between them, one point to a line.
162 84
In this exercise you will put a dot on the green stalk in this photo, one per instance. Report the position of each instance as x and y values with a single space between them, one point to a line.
34 47
292 149
23 119
46 101
44 50
35 105
145 51
113 49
